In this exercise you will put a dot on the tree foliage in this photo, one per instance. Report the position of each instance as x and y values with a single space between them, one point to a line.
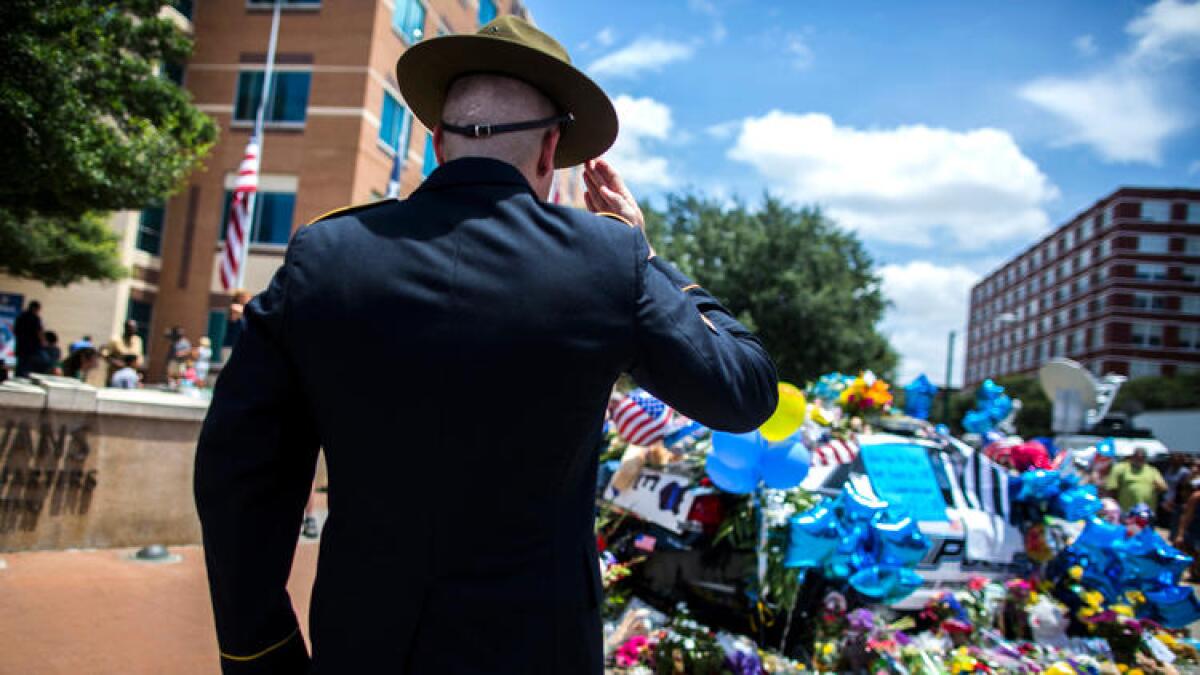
88 126
1159 393
804 285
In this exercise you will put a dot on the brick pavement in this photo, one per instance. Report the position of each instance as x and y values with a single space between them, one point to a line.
98 611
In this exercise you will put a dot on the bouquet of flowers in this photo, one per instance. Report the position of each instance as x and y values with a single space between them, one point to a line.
685 647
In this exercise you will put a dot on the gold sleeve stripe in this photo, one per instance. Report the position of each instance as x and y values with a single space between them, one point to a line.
689 287
328 214
264 652
615 216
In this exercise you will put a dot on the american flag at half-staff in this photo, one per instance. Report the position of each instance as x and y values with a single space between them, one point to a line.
237 227
393 188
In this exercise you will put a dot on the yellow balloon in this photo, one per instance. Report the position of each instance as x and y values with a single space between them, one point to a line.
788 415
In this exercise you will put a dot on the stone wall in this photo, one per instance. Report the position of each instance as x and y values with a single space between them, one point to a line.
82 467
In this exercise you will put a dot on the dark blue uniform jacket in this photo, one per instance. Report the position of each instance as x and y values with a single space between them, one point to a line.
453 355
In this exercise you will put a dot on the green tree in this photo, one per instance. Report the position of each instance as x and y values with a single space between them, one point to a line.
804 285
1159 393
87 126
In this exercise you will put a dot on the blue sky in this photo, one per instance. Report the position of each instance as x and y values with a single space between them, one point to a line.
949 135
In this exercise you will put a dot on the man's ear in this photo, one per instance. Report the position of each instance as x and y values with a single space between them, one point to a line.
545 164
438 137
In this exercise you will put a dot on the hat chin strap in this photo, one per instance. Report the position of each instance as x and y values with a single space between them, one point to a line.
486 130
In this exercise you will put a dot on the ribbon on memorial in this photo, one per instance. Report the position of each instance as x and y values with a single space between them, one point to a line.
855 537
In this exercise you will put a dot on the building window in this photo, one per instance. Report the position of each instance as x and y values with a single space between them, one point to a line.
140 312
1156 211
1086 229
1146 335
1191 246
1078 341
1189 337
1138 368
1150 272
1193 213
1190 304
1059 345
1149 301
1152 243
150 227
272 221
392 125
1190 274
1095 336
289 96
430 162
487 11
408 19
1105 248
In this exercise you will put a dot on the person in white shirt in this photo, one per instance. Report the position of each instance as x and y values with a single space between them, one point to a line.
126 377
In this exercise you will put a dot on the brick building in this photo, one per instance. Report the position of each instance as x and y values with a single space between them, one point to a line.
335 122
1117 288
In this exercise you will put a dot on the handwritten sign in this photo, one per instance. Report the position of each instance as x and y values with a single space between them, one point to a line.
657 497
901 474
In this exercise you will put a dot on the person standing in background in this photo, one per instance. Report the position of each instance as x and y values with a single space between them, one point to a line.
203 361
126 377
128 343
52 355
30 338
1134 482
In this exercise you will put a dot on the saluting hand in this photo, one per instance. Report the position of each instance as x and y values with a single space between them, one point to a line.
606 192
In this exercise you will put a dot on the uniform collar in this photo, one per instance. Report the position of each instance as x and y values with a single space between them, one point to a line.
468 171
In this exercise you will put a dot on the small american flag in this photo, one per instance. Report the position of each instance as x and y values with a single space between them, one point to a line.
237 230
834 452
645 542
641 419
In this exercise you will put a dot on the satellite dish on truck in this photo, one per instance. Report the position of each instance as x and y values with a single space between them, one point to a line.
1072 390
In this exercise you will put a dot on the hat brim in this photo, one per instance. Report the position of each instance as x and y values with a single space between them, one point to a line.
426 69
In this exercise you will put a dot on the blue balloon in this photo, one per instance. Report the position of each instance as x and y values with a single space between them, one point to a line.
1078 503
813 536
1039 485
784 468
901 543
738 451
1000 407
988 391
918 397
1106 448
730 479
885 583
858 507
850 554
1174 607
976 422
1098 535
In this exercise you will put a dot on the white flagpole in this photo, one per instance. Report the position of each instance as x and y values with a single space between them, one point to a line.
259 119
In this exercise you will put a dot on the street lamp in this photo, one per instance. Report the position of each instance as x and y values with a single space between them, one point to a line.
1001 319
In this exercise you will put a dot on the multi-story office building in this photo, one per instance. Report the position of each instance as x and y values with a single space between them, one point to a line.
1117 288
334 124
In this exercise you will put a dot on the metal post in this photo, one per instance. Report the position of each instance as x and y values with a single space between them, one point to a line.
259 119
949 372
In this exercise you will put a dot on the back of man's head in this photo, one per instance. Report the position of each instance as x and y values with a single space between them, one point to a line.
495 99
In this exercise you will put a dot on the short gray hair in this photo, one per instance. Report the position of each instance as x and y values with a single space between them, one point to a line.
494 99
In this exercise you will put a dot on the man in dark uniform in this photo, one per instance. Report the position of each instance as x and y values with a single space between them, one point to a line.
461 467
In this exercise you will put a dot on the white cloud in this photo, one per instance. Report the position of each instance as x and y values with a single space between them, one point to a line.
1126 111
644 122
797 48
605 37
723 130
1168 30
719 32
916 185
644 54
1120 114
1194 168
1085 45
918 328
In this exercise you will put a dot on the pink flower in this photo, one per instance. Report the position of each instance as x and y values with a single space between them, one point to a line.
977 583
629 654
